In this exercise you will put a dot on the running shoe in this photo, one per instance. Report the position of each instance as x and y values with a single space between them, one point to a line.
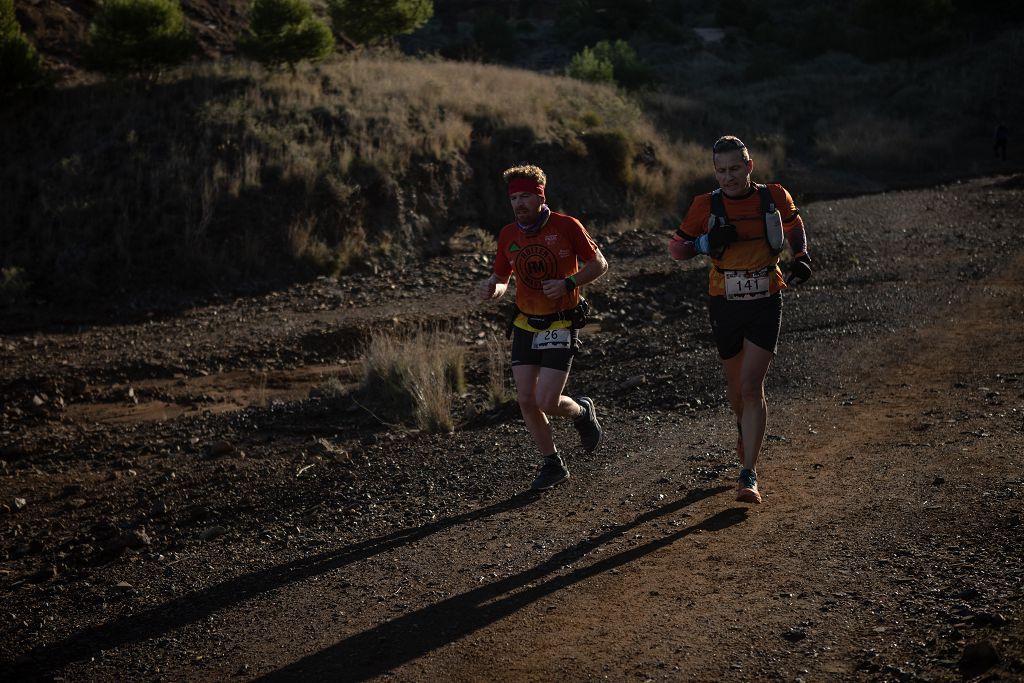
587 424
551 473
747 491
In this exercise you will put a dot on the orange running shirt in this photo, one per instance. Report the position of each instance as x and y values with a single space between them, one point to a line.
549 254
750 251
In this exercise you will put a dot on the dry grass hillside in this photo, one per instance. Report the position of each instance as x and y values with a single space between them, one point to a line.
223 176
227 173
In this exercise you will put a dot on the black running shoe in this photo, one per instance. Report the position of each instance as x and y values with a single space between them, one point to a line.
552 472
587 425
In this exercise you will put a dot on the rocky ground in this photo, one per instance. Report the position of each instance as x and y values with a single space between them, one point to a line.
201 493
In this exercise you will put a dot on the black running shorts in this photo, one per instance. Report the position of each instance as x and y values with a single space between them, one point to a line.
733 321
523 352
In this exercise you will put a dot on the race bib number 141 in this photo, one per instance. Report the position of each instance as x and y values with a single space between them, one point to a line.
744 285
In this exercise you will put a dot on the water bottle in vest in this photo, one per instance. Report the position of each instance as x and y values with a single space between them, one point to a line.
773 230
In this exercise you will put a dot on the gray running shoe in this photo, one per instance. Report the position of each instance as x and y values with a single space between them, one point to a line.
587 425
551 473
747 491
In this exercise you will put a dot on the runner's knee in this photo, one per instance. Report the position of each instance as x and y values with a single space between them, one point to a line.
752 391
527 401
548 404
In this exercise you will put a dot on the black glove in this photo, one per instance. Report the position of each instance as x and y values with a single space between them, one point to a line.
719 238
799 270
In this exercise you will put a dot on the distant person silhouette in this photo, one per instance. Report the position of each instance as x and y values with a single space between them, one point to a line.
1001 141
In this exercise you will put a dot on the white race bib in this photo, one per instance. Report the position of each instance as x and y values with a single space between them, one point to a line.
552 339
744 285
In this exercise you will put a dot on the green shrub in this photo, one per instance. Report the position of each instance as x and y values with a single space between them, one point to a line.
138 37
22 68
585 65
285 32
378 22
609 62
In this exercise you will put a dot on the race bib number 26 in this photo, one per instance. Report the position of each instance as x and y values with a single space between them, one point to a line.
552 339
747 284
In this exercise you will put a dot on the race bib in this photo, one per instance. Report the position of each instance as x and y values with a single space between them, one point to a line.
552 339
743 285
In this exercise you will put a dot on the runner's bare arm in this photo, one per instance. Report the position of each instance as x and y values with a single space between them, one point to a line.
493 287
591 270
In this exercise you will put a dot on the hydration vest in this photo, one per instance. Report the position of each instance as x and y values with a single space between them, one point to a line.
773 233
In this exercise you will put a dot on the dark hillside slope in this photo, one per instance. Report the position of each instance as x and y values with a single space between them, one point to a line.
229 177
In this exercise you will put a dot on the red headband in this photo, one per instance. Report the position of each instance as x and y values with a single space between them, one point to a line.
525 185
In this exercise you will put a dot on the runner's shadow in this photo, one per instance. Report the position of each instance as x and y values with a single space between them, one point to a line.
46 660
382 648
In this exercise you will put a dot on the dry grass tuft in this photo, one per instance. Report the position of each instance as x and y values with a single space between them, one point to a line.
498 392
415 377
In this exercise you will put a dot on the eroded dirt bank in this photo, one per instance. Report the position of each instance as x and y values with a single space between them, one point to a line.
185 500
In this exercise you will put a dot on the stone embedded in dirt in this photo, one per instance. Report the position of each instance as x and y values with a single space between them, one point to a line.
333 452
630 383
212 533
42 575
991 618
70 490
20 503
129 539
195 513
978 658
219 448
795 634
13 452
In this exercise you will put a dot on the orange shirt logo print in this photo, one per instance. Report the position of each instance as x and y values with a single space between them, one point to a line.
534 265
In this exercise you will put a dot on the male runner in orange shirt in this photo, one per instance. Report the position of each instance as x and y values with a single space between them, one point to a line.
543 249
741 227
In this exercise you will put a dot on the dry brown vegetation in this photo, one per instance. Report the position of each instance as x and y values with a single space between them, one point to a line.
415 377
225 176
226 172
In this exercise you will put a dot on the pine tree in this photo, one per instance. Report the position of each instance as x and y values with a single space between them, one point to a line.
377 22
139 37
285 32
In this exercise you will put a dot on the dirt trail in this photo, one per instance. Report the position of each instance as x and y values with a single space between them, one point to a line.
254 532
833 576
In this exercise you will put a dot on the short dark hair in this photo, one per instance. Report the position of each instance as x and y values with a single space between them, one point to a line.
730 143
